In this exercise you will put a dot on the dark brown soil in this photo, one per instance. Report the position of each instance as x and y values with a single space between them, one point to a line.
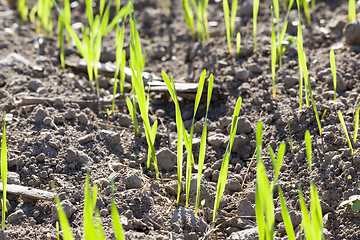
41 153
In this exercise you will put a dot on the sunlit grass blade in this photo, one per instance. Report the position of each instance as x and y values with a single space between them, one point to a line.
234 6
333 70
291 139
281 36
189 16
4 169
203 144
238 44
343 125
356 125
64 223
179 127
286 217
307 84
118 230
227 23
119 49
90 232
277 163
273 52
316 212
308 149
307 12
225 164
352 11
306 221
153 135
132 112
23 10
255 13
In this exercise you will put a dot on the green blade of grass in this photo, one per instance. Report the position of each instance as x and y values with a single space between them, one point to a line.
286 217
227 23
306 221
352 11
238 44
308 149
291 139
356 124
333 70
234 6
64 223
132 112
4 169
203 144
273 52
316 212
118 230
283 31
255 13
225 163
343 125
307 12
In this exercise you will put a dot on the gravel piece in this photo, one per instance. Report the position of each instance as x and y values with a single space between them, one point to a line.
188 220
17 215
132 181
166 159
77 156
233 184
245 208
247 234
87 138
83 118
68 208
217 140
34 84
40 114
242 74
70 114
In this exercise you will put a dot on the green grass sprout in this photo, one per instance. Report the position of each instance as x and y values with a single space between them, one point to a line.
4 169
255 14
352 11
43 20
333 70
273 52
238 44
356 124
343 125
322 117
306 10
276 163
61 26
180 132
64 223
118 230
227 23
291 139
203 144
313 3
189 16
23 10
308 149
225 163
286 217
264 205
234 6
307 83
57 231
132 110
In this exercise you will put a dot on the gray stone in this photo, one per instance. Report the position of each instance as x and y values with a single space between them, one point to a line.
239 141
217 140
245 50
244 88
3 235
159 51
68 208
13 178
87 138
113 138
34 84
132 181
290 82
83 118
337 24
40 157
255 68
55 143
17 215
188 220
103 82
247 234
224 122
246 9
233 184
242 74
245 208
295 218
14 59
352 33
47 121
243 126
40 114
166 159
77 156
70 114
43 174
124 120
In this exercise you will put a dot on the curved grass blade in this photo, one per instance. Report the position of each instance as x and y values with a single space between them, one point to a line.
333 70
343 125
203 144
286 217
356 125
308 149
227 23
64 223
4 170
234 6
238 44
225 163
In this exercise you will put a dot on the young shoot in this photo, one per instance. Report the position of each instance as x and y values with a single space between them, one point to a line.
356 125
4 169
238 44
255 14
273 53
333 70
343 125
225 163
227 23
352 11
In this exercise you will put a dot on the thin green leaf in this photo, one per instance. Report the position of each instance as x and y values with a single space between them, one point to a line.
333 70
356 125
345 131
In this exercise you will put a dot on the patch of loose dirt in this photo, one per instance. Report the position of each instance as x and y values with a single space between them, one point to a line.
60 130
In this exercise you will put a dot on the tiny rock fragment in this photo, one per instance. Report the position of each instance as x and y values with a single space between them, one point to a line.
77 156
39 114
245 208
34 84
132 181
68 208
87 138
70 114
247 234
166 159
111 137
17 215
83 118
217 140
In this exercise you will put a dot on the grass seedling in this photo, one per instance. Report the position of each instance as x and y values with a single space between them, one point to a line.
201 22
137 62
203 144
322 117
43 21
132 110
313 3
264 205
308 149
4 169
234 6
57 231
61 26
227 23
276 163
286 217
352 11
273 52
225 163
238 44
333 70
356 124
306 10
307 82
343 125
255 14
291 139
300 41
115 217
23 10
189 16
